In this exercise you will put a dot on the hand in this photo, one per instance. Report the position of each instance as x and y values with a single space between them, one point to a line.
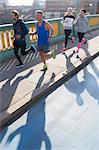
18 36
12 38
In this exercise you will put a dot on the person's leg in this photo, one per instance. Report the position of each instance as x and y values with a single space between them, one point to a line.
25 51
43 58
16 48
67 33
23 48
80 36
84 41
43 50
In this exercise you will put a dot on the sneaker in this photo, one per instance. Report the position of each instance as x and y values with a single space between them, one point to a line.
85 42
77 57
45 67
19 66
63 50
73 40
53 53
77 51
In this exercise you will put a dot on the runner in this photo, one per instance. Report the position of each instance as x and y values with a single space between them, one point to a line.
45 31
20 32
68 21
82 26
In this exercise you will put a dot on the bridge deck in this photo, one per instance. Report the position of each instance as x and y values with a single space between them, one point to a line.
18 87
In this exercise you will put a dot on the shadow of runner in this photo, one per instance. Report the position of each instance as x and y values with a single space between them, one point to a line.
91 84
8 90
33 133
7 97
73 85
77 88
93 66
69 65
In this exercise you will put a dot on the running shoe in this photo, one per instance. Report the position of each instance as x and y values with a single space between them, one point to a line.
45 67
19 65
63 50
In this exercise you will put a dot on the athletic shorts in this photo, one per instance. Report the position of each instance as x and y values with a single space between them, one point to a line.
43 48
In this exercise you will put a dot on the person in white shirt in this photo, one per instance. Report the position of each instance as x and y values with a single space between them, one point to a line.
67 22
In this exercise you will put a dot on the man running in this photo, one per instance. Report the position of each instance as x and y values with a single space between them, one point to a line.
20 32
82 26
45 31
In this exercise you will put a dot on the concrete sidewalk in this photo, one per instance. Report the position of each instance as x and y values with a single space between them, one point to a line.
22 88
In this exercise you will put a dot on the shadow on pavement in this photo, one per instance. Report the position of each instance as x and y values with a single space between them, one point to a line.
33 133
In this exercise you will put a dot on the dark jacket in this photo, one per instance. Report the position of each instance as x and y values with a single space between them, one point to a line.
20 29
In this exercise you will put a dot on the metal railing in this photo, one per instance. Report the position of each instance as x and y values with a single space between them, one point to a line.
6 31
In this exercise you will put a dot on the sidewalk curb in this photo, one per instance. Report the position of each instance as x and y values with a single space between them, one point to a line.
46 89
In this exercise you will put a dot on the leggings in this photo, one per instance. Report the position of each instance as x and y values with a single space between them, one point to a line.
80 36
67 34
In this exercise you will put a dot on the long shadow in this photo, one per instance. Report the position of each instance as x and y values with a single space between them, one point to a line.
91 84
95 69
69 65
76 87
8 90
92 64
6 94
73 85
33 133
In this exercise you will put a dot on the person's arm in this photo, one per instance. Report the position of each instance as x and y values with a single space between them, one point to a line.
24 29
87 24
33 33
50 28
75 22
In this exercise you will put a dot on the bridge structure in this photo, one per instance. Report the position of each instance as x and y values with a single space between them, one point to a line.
20 88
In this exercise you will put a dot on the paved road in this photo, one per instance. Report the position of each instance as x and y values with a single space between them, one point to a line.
67 119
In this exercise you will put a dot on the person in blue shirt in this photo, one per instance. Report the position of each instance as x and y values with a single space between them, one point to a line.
45 31
20 32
